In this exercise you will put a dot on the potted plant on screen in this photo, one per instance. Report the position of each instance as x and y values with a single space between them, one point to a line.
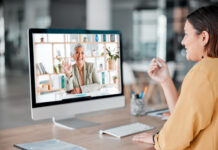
58 68
115 79
112 58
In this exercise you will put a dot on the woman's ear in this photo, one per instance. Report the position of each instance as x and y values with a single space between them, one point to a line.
204 37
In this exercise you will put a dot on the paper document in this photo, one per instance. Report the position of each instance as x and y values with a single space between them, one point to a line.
159 113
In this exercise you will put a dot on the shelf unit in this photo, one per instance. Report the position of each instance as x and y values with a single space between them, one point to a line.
65 43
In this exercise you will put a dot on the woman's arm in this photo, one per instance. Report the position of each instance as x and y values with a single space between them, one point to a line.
69 78
161 75
170 93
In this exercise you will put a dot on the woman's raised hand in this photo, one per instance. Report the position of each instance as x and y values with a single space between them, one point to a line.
157 72
67 68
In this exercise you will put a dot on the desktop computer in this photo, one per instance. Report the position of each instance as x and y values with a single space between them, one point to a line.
59 88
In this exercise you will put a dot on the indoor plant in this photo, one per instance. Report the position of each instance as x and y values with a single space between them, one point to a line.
115 79
112 57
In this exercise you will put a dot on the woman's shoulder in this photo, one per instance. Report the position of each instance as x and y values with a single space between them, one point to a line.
206 67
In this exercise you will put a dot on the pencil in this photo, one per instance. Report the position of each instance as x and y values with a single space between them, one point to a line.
145 90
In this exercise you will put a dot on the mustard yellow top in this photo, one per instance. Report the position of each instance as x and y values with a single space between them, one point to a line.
194 122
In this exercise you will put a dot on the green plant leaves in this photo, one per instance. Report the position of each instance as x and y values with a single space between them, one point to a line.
112 56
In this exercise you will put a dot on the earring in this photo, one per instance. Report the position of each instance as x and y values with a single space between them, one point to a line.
202 57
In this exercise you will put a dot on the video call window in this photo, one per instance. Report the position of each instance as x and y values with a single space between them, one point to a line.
100 55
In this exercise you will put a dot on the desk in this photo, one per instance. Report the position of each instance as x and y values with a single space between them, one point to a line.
85 137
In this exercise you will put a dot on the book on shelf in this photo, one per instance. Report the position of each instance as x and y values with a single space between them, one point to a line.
44 82
58 82
112 38
41 68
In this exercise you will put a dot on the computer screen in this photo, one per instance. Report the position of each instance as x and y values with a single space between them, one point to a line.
74 71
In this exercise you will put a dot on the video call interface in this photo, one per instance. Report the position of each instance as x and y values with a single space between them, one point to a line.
72 66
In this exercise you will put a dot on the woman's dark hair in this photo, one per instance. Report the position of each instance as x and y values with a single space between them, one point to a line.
206 19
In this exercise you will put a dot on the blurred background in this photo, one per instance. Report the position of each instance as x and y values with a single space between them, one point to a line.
150 28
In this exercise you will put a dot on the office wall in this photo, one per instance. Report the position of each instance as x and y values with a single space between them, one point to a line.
122 19
68 14
19 16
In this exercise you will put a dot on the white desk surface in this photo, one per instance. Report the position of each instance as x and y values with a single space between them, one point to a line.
60 95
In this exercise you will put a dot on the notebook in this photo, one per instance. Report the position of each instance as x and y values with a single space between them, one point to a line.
52 144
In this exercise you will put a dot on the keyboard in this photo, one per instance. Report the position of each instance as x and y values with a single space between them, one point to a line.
126 130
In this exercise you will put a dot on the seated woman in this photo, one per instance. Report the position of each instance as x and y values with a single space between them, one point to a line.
81 77
193 123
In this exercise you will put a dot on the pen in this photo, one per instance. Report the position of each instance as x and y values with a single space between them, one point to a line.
141 95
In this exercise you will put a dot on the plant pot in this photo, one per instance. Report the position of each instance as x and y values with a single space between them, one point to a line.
115 81
112 64
42 39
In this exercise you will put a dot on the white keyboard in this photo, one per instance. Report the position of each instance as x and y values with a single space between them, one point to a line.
126 130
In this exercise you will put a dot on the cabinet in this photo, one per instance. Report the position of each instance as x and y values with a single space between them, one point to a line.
50 50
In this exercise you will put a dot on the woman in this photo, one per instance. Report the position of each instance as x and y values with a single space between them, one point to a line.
81 77
193 123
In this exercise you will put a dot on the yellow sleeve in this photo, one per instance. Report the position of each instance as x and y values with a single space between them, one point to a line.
193 113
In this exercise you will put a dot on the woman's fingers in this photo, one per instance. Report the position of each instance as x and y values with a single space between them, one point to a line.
144 137
66 65
154 63
66 62
153 68
78 90
138 139
152 71
74 91
162 61
153 60
69 64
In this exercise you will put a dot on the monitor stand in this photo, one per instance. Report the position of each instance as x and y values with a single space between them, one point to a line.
73 123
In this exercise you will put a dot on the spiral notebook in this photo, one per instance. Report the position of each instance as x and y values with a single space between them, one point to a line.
52 144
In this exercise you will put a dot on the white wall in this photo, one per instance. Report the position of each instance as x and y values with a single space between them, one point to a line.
98 14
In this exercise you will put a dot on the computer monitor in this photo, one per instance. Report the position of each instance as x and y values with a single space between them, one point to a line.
59 87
